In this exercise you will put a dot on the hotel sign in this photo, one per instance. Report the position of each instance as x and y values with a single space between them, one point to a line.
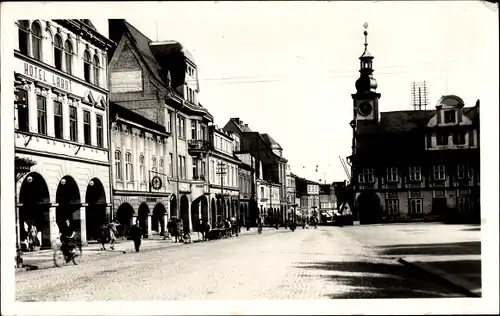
47 77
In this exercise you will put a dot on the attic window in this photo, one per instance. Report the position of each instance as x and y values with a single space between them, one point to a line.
449 116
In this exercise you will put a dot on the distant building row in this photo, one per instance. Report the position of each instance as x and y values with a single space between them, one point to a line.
137 147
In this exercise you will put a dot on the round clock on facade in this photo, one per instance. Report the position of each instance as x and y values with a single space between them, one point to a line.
156 183
365 108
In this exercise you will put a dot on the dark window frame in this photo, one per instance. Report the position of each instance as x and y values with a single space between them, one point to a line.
58 120
41 116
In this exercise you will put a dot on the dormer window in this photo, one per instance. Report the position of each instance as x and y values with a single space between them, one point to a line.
449 116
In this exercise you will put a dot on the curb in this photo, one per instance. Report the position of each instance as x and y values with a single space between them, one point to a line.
460 285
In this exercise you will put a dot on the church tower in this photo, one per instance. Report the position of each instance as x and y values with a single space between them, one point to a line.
366 96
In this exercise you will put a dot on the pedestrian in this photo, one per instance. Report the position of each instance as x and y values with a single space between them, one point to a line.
207 230
248 224
136 235
179 230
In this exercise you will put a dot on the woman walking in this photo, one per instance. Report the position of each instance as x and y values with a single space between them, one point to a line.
136 235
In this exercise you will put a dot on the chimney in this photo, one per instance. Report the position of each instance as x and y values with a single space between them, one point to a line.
246 125
236 119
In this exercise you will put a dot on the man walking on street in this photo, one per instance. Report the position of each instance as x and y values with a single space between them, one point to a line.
136 235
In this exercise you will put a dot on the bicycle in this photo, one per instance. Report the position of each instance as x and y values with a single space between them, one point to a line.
74 254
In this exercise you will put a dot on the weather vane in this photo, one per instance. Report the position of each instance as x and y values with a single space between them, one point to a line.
366 33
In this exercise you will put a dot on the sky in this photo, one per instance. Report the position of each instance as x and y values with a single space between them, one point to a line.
288 68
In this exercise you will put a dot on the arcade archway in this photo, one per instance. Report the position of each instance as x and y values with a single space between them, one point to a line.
95 212
35 199
158 219
214 213
69 203
184 207
142 217
173 207
199 212
368 206
124 216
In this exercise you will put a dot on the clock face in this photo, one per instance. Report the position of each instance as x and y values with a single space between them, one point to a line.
365 108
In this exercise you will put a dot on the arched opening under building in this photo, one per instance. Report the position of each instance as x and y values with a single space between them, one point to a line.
35 199
95 212
214 213
368 206
69 203
218 215
185 212
142 217
158 219
124 216
242 215
173 207
199 212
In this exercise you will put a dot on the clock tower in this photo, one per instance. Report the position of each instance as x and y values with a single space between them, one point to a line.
366 97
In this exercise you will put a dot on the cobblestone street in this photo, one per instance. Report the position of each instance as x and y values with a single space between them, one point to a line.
327 262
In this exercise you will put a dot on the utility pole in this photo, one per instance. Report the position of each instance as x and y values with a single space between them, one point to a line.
221 170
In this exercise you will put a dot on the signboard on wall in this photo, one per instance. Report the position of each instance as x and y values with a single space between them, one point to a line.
126 81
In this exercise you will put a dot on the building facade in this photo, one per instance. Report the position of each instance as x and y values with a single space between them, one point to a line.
247 187
270 154
224 176
291 194
327 203
308 193
142 168
158 80
61 123
413 165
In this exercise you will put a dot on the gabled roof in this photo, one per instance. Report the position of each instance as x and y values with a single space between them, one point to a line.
88 23
129 115
142 43
271 142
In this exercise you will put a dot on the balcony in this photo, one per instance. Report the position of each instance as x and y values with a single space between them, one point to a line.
198 147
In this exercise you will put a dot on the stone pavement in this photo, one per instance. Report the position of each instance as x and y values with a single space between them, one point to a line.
43 259
323 263
451 253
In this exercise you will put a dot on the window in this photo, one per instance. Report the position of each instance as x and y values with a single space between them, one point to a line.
68 51
184 169
153 167
429 140
392 206
415 173
366 176
261 192
36 41
86 66
58 52
195 171
129 168
86 128
439 173
202 169
193 129
463 172
181 132
162 167
142 169
96 70
171 165
169 121
212 173
459 138
41 115
449 116
392 174
415 206
463 204
100 130
442 139
58 122
118 165
22 110
23 34
73 127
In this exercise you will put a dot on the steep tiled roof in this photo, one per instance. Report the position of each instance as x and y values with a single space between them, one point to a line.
271 142
142 42
124 113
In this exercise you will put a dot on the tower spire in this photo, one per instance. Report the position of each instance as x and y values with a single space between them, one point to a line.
366 82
